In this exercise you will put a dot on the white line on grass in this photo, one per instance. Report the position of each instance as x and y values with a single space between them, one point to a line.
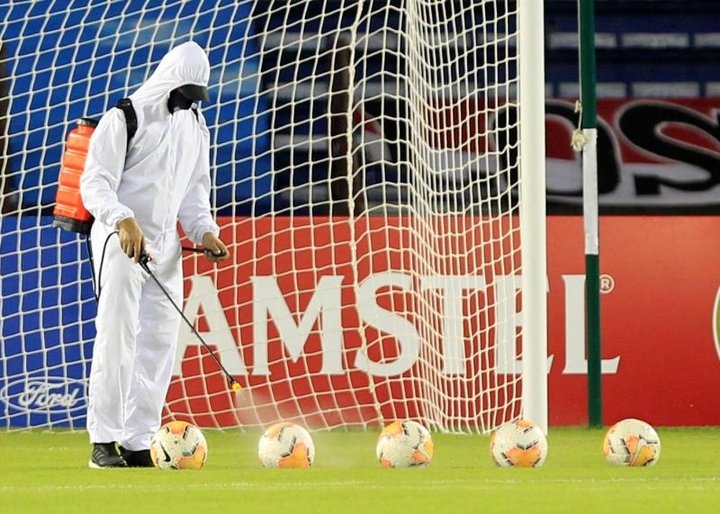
354 484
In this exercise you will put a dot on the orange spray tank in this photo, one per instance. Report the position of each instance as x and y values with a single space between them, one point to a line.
70 213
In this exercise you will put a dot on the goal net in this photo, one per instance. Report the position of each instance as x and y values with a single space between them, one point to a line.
378 176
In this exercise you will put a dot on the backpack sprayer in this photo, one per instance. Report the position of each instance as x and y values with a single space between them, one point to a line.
70 213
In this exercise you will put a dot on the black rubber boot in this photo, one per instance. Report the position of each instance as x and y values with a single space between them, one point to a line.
137 459
106 455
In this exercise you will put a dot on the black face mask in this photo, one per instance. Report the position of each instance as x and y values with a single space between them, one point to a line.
178 101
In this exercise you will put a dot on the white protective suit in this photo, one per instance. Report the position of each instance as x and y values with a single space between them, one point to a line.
164 178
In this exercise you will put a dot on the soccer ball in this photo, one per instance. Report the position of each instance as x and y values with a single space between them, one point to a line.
178 445
631 442
520 444
286 445
404 444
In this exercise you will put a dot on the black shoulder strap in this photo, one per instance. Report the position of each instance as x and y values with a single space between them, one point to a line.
195 112
126 106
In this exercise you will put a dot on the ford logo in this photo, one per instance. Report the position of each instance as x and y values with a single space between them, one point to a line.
43 394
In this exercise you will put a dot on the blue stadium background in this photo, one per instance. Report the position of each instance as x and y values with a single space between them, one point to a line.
73 82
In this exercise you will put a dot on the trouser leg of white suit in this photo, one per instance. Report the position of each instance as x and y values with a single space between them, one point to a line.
155 353
121 281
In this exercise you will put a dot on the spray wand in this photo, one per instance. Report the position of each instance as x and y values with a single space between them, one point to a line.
144 260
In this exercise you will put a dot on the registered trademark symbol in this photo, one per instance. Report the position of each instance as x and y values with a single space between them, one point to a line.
607 284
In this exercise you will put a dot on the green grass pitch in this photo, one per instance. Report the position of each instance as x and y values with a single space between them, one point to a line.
46 472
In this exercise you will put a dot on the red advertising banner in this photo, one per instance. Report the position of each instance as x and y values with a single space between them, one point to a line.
291 282
651 152
661 283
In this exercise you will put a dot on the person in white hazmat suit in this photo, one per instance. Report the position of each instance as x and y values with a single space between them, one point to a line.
140 191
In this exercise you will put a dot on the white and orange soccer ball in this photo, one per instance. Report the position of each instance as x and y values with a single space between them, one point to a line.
178 445
286 445
519 444
404 444
631 442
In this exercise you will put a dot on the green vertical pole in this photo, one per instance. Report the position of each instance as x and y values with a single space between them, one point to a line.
588 124
587 64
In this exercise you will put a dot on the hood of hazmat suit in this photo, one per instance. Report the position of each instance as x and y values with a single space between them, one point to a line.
186 67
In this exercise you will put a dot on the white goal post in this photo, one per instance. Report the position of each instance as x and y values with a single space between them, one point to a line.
378 174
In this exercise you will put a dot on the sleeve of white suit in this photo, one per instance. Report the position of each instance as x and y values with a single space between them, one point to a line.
195 213
104 168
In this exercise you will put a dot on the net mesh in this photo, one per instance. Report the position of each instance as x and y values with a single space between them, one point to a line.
365 177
